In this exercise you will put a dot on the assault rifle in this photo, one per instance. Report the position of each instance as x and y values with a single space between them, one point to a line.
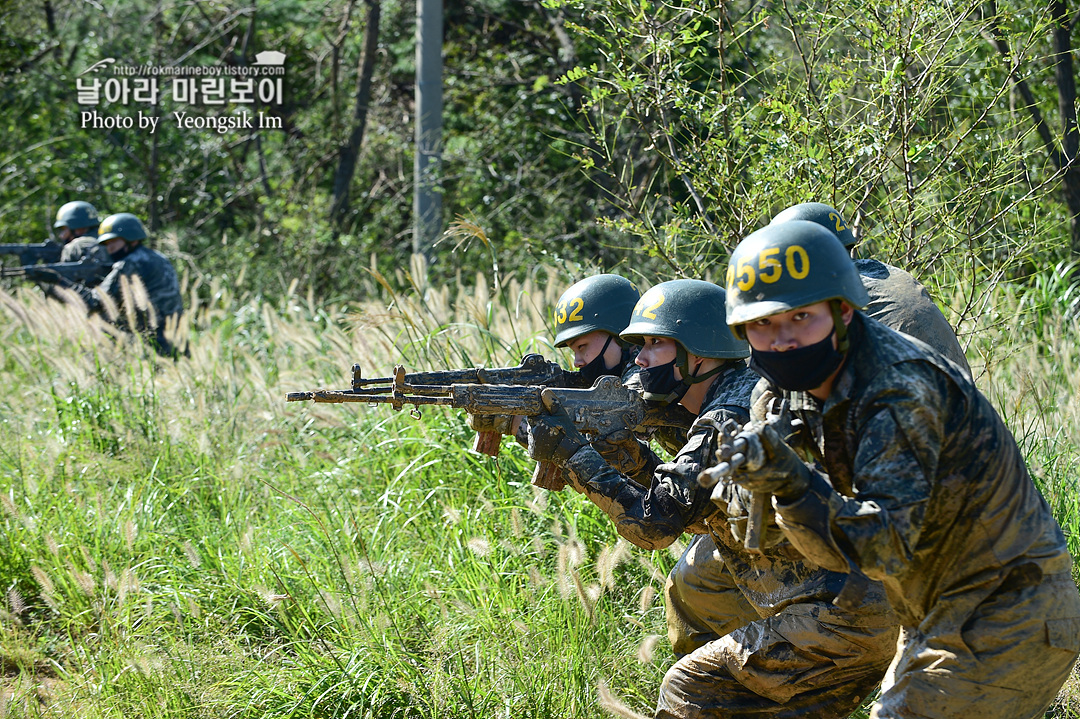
599 410
30 253
735 452
533 371
60 273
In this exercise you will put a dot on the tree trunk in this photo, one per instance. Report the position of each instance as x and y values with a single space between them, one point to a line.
1070 135
350 151
1063 155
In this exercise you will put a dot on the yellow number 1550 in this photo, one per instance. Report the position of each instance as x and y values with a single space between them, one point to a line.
768 268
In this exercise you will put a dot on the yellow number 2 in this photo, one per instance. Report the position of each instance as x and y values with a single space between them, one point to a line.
575 315
649 311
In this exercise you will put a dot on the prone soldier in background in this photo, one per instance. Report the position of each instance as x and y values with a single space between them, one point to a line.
76 229
926 492
76 226
784 649
142 284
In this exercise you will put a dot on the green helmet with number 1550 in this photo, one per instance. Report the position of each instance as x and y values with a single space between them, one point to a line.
601 302
788 265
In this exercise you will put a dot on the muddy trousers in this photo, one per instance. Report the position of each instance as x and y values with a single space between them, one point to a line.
701 600
810 660
1006 661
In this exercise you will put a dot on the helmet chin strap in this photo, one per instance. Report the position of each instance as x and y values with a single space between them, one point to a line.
842 342
682 361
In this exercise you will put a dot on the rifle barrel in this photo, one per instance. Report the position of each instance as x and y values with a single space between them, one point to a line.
342 396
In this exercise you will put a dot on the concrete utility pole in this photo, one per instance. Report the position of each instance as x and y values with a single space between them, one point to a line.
427 193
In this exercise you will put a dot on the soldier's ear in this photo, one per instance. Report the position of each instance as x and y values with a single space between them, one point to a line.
847 312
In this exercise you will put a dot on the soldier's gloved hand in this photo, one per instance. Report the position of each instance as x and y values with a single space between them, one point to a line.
780 472
497 423
623 451
554 438
737 509
40 274
761 398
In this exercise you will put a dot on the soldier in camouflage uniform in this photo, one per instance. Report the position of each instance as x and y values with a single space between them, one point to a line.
134 263
787 651
588 317
897 300
77 227
926 491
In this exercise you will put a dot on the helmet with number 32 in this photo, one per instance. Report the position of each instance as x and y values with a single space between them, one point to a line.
601 302
788 265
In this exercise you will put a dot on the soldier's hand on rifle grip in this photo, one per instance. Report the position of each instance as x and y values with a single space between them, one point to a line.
769 465
554 438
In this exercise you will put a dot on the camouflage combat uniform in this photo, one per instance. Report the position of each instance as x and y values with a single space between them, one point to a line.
158 277
787 651
897 300
85 247
627 452
928 493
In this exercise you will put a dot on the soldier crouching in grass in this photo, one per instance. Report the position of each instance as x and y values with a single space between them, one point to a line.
786 651
121 236
897 300
926 491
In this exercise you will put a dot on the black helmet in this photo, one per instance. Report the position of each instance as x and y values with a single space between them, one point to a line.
787 265
125 225
601 302
691 312
822 214
76 215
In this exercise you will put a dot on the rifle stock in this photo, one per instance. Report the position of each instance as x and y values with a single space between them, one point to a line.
32 252
81 272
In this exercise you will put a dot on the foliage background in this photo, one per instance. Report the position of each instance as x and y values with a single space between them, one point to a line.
175 540
581 131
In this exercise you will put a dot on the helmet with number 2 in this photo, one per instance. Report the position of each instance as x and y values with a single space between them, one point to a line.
788 265
123 224
824 215
601 302
691 312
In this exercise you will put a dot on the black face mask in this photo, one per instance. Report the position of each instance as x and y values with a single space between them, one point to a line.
800 369
121 253
659 385
595 369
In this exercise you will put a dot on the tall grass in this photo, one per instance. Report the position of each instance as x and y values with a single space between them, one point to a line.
176 540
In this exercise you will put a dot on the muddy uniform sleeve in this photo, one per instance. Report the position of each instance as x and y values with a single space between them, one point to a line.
652 516
898 437
109 286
